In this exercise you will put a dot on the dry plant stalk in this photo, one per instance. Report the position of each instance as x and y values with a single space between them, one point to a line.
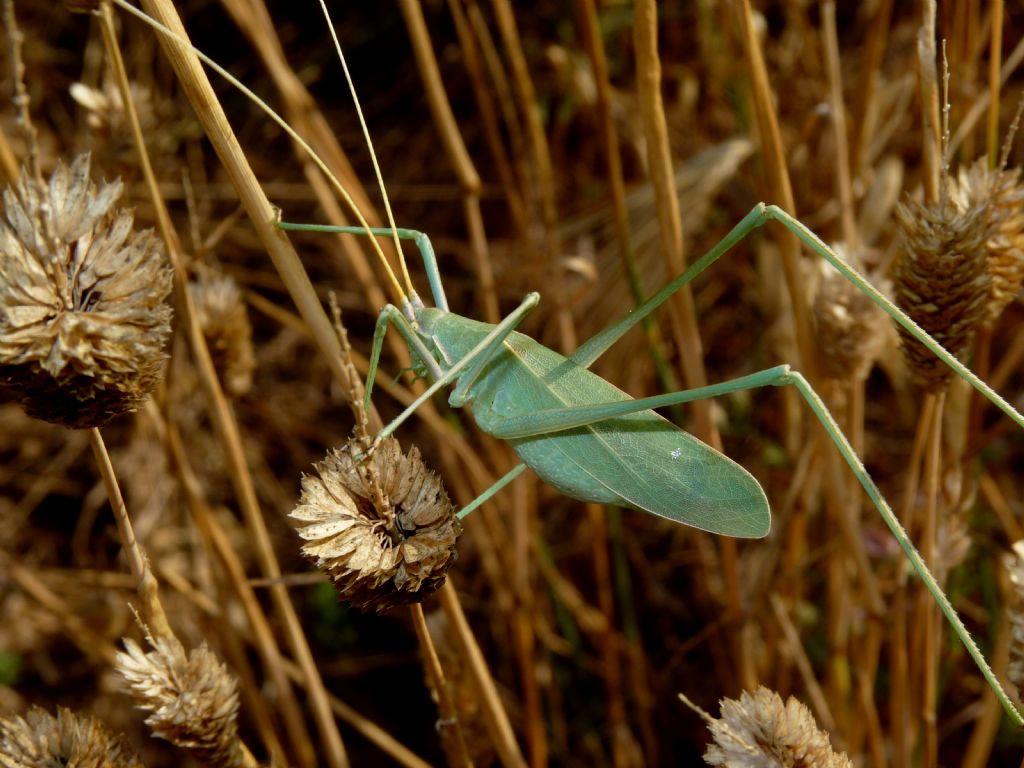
378 558
760 731
83 317
192 698
40 740
468 706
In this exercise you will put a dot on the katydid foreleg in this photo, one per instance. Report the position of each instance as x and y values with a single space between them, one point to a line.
391 315
472 363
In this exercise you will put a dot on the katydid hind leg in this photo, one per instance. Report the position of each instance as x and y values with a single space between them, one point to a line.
592 349
558 419
597 345
546 422
838 438
818 246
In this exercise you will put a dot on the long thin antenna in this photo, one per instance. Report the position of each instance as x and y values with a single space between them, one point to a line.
268 110
369 146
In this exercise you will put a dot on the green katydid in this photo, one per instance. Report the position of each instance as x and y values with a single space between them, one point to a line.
586 437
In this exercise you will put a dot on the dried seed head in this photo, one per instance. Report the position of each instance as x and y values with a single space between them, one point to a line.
83 321
1014 564
851 327
40 740
759 731
377 557
193 698
1002 191
953 542
225 322
104 106
942 281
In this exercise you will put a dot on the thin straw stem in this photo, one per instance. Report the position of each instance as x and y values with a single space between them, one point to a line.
146 583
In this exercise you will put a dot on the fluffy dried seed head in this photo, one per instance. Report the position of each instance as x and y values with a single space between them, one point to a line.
83 321
942 280
1014 564
378 558
1001 190
851 329
40 740
759 731
225 322
192 698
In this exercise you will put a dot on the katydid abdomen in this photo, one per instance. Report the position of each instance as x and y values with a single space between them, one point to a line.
639 460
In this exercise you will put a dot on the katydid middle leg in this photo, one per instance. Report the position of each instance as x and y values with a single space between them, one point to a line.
423 245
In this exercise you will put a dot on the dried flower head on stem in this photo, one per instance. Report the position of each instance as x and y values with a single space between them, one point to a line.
191 697
67 739
83 317
221 311
1001 192
759 730
378 558
851 328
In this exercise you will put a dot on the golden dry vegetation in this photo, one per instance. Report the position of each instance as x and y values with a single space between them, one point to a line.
537 159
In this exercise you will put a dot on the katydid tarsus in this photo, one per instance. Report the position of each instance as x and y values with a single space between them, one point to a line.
589 439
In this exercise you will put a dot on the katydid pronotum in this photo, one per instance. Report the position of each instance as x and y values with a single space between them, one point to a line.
589 439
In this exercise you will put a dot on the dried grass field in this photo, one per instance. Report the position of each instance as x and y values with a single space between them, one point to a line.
198 568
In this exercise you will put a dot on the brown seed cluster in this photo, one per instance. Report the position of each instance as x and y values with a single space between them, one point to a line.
221 311
759 730
851 328
40 740
378 558
942 280
192 698
1001 191
1014 564
83 317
